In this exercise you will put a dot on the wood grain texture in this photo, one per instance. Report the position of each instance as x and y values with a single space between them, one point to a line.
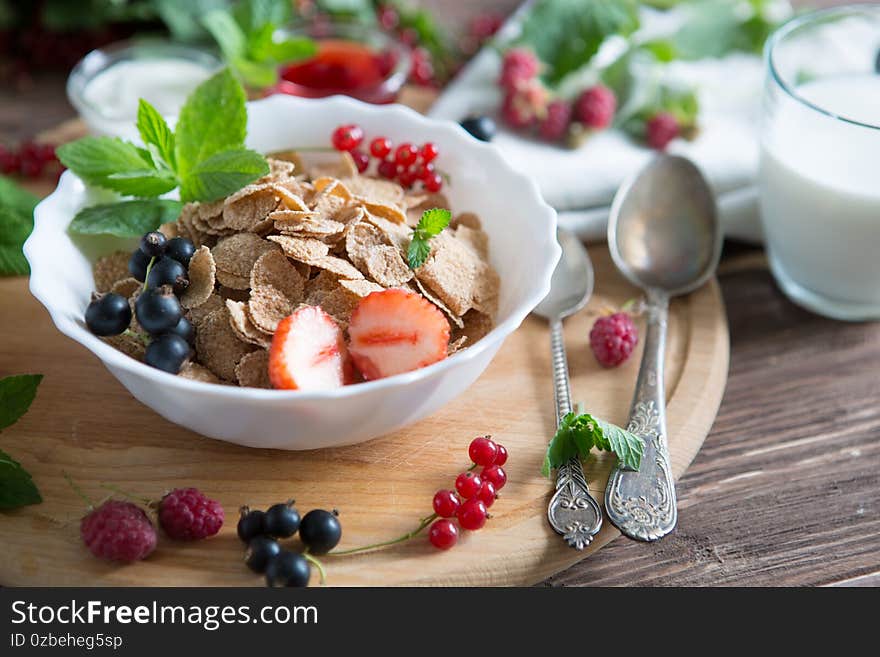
84 423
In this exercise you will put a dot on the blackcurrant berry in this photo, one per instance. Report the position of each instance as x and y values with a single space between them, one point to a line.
153 244
109 315
157 311
184 329
180 249
320 531
137 265
480 127
260 551
167 353
167 271
288 569
282 520
250 524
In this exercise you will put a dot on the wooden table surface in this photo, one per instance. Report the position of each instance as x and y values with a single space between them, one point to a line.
786 489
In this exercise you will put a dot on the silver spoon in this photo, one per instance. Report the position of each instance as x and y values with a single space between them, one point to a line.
664 236
572 512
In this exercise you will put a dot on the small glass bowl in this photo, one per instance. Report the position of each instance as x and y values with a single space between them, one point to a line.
396 54
119 120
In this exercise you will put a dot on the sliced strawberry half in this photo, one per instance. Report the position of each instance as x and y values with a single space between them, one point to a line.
396 331
308 352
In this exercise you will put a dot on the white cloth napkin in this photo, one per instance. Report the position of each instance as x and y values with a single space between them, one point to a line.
581 183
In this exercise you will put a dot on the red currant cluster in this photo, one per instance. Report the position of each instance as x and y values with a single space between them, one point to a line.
407 164
30 160
473 495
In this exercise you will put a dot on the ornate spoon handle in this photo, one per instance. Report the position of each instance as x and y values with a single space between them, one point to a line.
642 504
572 511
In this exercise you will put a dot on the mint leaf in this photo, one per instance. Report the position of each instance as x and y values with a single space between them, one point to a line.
628 447
222 174
288 50
213 119
16 198
252 15
16 394
143 182
16 223
255 74
17 488
431 223
155 132
227 33
578 434
713 28
100 160
126 218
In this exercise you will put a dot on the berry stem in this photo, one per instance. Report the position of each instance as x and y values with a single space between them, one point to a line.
427 520
138 336
147 273
318 565
125 493
78 490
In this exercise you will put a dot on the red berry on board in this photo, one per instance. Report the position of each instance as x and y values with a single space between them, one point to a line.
409 36
380 147
361 160
407 177
443 534
347 137
487 494
613 339
405 154
422 72
433 183
495 474
118 531
387 169
554 125
446 503
483 450
472 514
595 107
501 455
485 25
185 514
388 17
468 484
518 66
661 129
429 152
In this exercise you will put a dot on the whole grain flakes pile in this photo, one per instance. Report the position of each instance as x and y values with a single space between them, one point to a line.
312 232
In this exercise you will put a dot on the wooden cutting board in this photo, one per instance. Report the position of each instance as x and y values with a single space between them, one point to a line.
84 423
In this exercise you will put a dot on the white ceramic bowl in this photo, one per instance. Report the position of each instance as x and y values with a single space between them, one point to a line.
522 232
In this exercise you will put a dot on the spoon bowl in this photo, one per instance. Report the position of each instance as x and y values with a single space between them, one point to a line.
663 232
572 283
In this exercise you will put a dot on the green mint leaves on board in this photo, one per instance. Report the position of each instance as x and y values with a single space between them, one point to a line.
204 157
17 488
432 222
247 37
578 434
16 223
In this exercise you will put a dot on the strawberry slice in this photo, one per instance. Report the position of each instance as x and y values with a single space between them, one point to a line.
308 352
395 331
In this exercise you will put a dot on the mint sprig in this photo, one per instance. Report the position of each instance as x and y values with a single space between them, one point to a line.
204 157
17 488
125 218
578 434
431 223
16 223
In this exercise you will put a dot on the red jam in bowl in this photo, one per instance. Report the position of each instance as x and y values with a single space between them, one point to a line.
343 67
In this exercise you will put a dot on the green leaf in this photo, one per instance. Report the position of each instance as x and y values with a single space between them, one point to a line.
417 253
290 50
155 132
100 161
227 33
15 227
222 174
125 219
16 394
183 17
252 15
627 446
17 488
431 223
144 183
565 34
17 198
213 119
255 74
713 28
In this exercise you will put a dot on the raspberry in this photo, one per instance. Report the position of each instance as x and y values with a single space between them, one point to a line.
555 124
185 514
595 107
519 66
521 107
118 531
661 129
613 339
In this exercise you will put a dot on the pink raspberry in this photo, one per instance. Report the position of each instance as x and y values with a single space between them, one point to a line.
186 514
554 125
118 531
613 339
661 129
595 107
522 107
519 66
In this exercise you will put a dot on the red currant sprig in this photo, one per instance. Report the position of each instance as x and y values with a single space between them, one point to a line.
29 160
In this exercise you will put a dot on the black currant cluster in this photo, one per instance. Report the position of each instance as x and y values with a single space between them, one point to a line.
162 265
319 532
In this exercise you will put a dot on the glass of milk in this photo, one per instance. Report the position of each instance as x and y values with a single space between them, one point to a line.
106 84
820 161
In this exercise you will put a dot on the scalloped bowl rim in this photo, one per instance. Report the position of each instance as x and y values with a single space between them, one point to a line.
40 287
